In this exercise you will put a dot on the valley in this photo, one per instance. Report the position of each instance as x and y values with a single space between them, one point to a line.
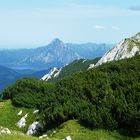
69 70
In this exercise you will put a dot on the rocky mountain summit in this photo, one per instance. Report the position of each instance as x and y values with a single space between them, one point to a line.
127 48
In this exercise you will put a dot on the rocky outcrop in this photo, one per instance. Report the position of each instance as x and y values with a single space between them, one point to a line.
33 128
91 66
67 138
127 48
53 73
22 122
36 111
19 113
43 136
5 131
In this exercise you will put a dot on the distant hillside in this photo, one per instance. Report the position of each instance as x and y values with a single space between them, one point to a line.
9 76
72 68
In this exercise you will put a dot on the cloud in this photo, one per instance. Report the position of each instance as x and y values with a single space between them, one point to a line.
99 27
115 28
135 8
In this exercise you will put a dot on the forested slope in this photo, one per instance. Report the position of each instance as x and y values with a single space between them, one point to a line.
104 97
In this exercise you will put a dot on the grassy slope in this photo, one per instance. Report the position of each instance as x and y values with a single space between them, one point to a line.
18 136
78 132
8 118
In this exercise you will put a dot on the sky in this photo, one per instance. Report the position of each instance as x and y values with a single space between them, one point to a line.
33 23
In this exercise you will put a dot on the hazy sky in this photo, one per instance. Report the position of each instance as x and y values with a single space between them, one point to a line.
32 23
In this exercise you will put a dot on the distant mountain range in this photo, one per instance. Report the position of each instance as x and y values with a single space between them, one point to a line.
55 54
15 64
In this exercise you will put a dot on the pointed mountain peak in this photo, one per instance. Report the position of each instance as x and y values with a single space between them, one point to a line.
57 41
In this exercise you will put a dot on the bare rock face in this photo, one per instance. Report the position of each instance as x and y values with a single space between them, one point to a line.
36 111
5 131
22 122
91 66
52 74
19 113
43 136
33 128
127 48
67 138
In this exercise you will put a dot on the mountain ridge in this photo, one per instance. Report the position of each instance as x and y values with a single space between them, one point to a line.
127 48
74 67
55 54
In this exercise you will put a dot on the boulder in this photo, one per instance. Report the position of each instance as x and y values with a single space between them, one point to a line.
33 128
91 66
19 113
36 111
22 122
67 138
5 131
26 116
43 136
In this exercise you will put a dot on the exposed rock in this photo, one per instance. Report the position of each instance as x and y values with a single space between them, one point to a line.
22 122
43 136
52 74
26 116
54 132
84 60
33 128
67 138
19 113
58 72
91 66
66 65
36 111
5 131
127 48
